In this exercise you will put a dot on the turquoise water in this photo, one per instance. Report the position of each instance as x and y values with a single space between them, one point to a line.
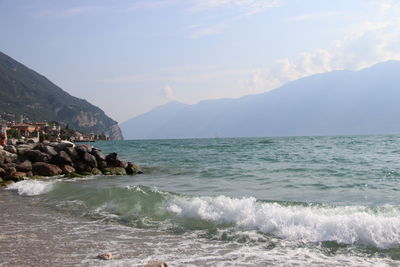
337 170
331 199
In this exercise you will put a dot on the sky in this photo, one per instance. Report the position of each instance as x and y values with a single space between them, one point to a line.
129 56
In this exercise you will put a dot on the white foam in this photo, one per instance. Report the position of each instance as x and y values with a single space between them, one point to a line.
31 187
346 225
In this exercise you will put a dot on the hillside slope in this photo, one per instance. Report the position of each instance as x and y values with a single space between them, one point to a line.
27 93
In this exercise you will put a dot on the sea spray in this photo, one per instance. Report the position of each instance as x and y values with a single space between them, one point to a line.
346 225
143 206
32 187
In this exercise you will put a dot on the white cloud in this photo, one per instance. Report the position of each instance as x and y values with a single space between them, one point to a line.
153 4
376 40
373 40
247 7
242 8
211 30
169 93
69 12
314 16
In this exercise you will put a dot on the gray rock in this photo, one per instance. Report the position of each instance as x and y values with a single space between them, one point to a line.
102 164
15 176
132 169
49 150
62 158
11 141
10 170
6 165
6 157
89 159
98 154
46 169
10 148
67 169
81 166
39 146
82 148
63 145
2 172
24 147
25 166
72 153
113 160
36 156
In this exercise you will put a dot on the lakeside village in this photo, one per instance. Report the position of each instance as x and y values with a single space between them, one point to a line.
39 149
35 132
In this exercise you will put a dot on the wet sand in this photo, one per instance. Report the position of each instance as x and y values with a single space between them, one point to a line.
32 235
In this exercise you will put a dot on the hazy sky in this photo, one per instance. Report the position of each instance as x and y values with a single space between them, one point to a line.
128 56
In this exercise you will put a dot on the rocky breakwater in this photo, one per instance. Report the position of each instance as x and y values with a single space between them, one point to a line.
30 161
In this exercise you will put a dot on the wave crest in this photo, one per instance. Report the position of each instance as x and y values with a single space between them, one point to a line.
31 187
345 225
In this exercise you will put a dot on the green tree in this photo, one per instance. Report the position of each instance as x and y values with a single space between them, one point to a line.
13 133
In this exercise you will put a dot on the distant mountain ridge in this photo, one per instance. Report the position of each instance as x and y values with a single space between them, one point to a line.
27 93
334 103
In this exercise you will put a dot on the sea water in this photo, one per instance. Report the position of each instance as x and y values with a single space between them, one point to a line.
243 201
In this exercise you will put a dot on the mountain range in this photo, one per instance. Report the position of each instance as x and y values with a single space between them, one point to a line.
334 103
26 93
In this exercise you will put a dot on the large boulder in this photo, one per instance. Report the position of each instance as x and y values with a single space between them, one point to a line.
9 170
132 169
10 148
24 147
98 154
46 169
6 157
102 164
72 153
15 176
67 169
82 167
63 145
62 158
89 159
6 165
49 150
24 166
82 148
113 160
36 156
12 141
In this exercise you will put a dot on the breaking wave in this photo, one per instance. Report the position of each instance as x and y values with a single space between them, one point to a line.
32 187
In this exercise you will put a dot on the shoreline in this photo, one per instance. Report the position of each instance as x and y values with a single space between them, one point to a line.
32 233
39 236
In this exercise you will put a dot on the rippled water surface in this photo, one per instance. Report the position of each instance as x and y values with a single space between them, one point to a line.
293 200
